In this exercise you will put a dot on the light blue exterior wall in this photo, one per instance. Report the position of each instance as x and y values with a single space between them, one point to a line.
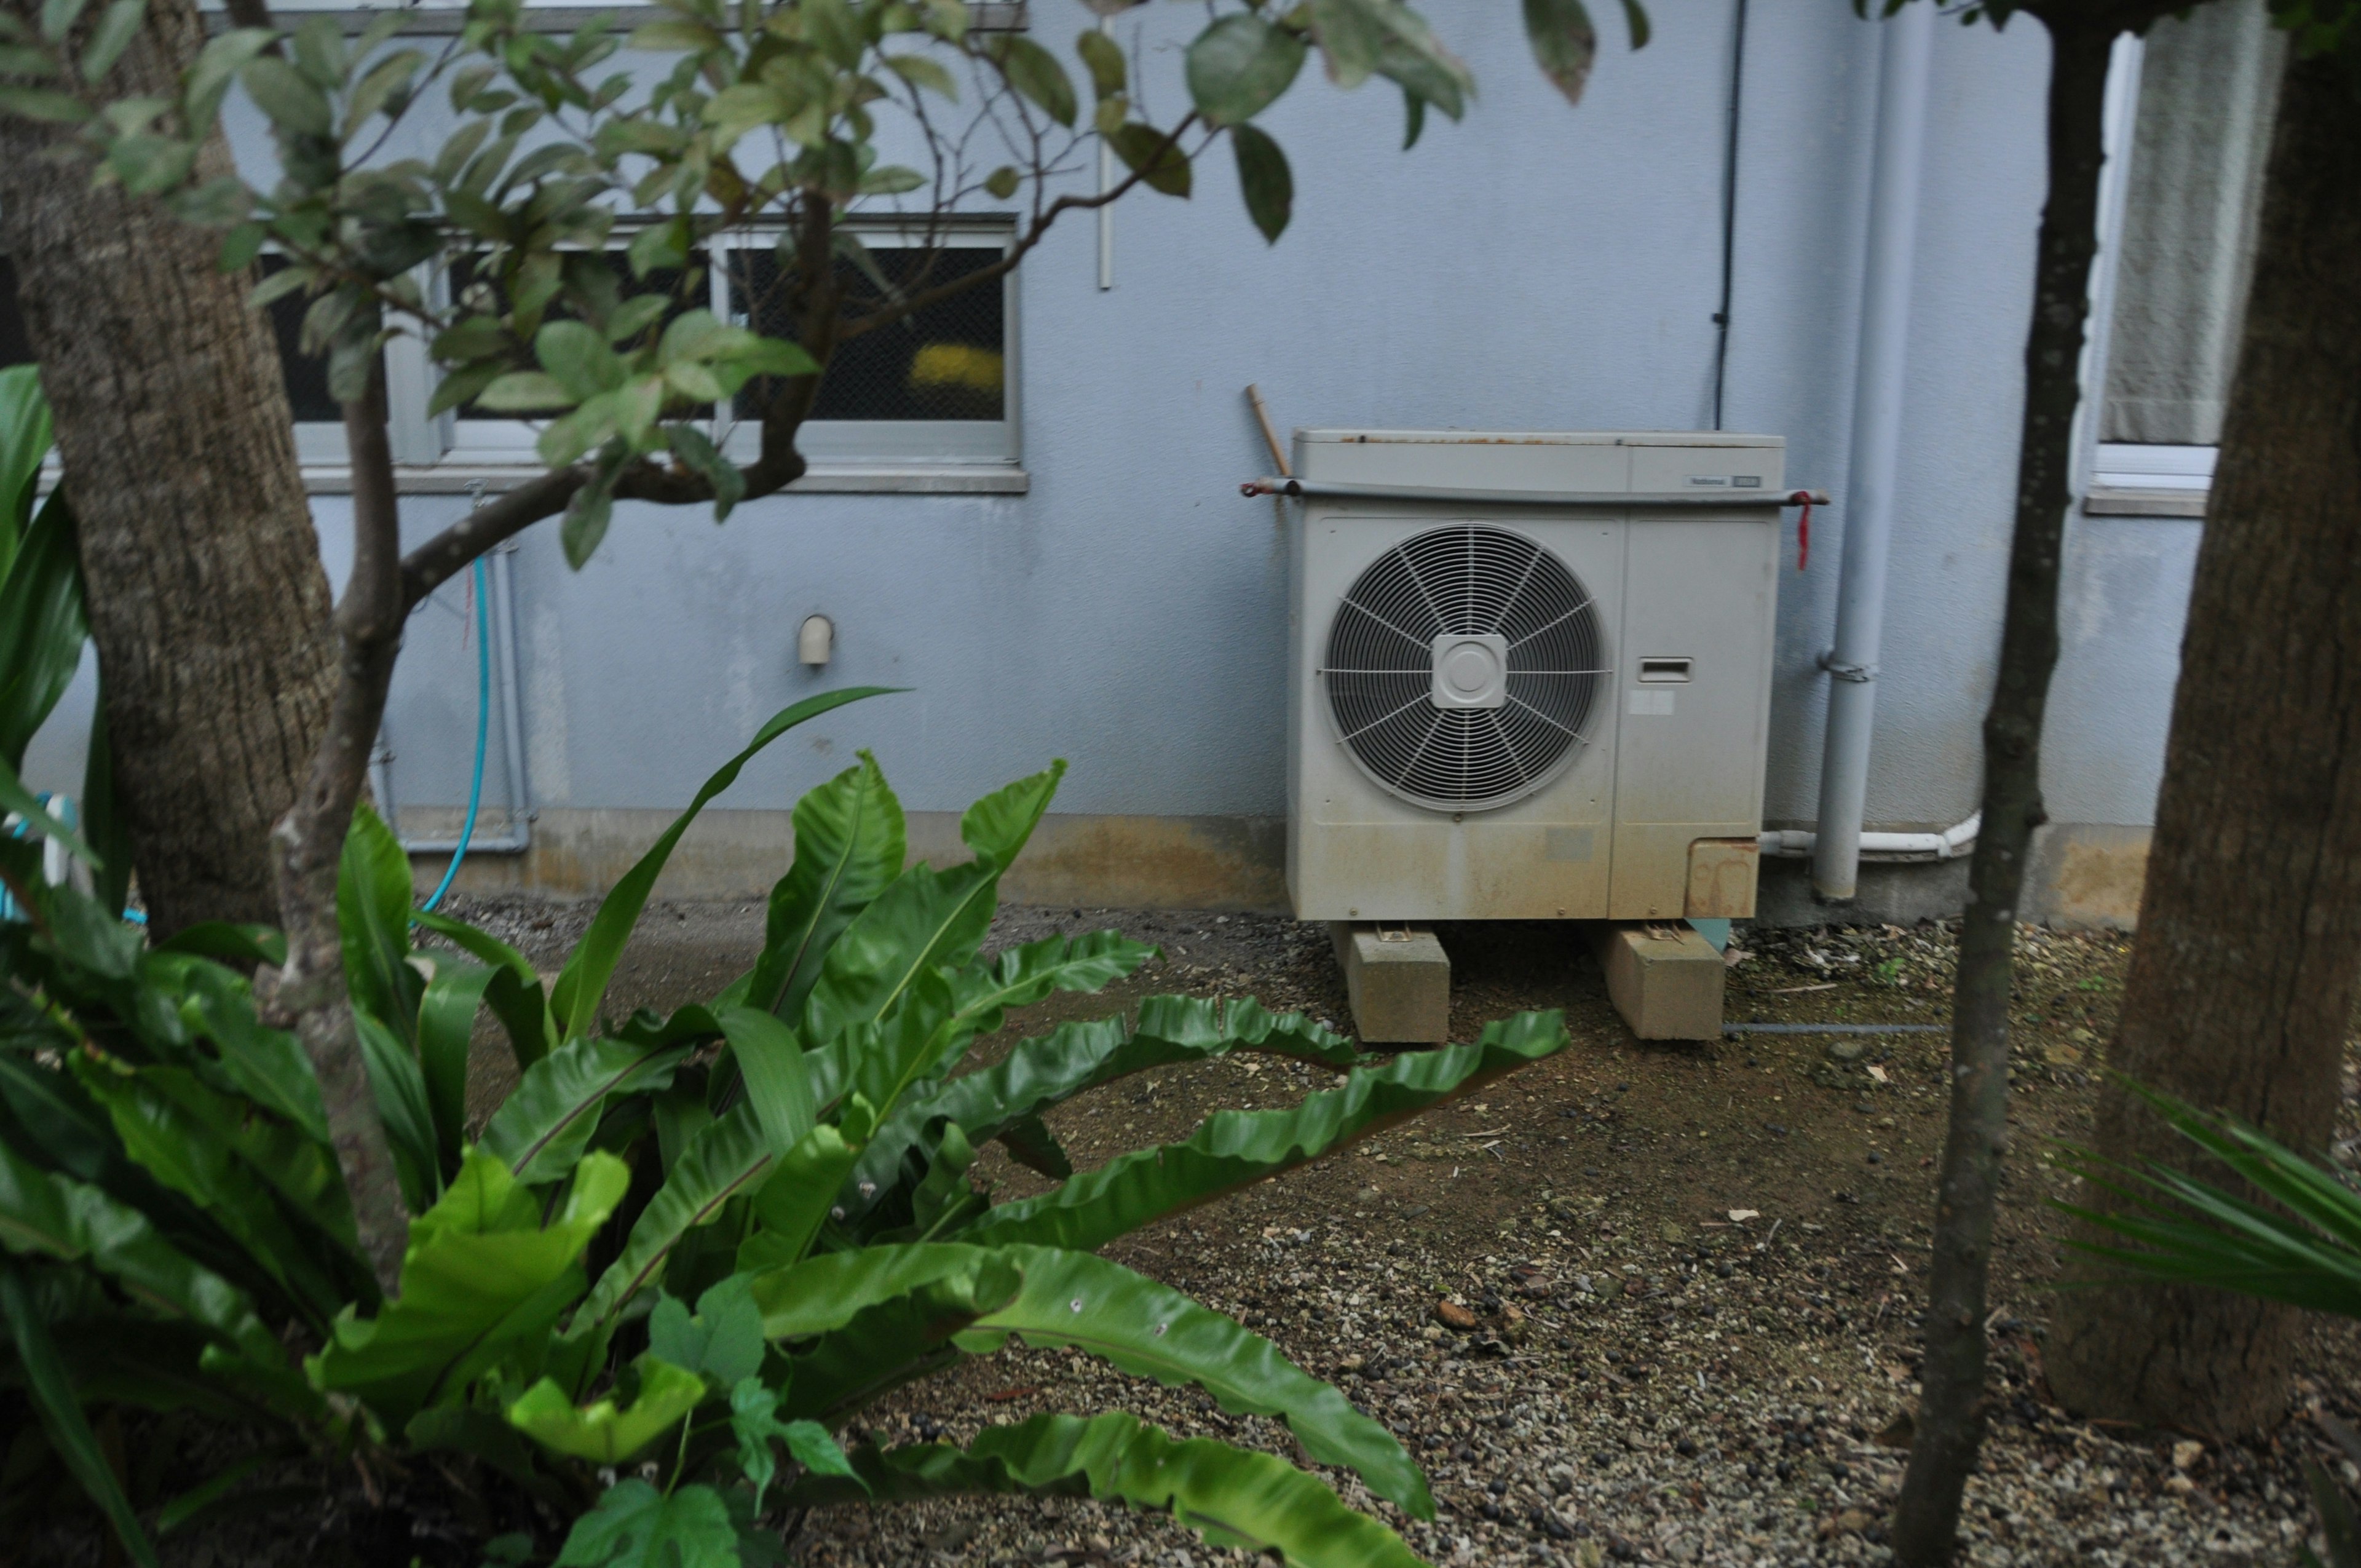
1536 267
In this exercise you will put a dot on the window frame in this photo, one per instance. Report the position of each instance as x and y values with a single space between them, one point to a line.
2129 465
924 443
950 445
2125 478
437 17
320 443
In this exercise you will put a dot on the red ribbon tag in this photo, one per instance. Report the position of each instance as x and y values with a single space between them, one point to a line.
1803 528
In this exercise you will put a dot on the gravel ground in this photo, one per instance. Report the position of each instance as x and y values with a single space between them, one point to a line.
1546 1295
1545 1292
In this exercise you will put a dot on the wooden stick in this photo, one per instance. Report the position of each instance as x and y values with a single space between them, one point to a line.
1271 436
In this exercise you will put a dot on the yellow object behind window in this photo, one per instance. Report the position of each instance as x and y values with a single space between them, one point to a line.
959 364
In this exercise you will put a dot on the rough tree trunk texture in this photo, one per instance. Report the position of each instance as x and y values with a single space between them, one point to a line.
2242 982
310 842
1952 1408
202 576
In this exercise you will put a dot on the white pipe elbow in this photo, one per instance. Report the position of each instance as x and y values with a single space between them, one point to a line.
1950 844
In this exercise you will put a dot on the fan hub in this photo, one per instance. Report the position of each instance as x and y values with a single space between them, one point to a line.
1471 670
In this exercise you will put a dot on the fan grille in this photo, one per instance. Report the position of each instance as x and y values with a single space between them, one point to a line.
1465 580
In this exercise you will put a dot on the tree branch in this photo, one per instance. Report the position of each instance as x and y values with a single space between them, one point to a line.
778 464
909 304
447 554
309 841
1953 1405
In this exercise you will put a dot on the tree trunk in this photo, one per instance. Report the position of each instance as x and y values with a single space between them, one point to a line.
1950 1419
201 572
2242 982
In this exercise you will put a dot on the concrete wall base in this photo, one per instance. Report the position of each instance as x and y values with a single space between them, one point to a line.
2081 874
1886 894
2087 876
1085 861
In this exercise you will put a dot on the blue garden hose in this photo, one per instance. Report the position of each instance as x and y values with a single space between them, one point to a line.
60 806
51 803
483 727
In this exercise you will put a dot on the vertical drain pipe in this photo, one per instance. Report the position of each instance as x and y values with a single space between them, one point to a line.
1905 40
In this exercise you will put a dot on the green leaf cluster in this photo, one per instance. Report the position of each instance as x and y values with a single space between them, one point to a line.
805 1145
42 636
2292 1236
2297 1239
796 1156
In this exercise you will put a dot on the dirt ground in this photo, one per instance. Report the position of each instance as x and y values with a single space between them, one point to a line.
1650 1378
1691 1271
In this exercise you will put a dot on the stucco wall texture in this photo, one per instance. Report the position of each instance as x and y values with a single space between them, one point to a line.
1536 267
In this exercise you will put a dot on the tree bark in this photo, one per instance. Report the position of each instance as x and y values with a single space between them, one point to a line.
1952 1408
2244 979
201 572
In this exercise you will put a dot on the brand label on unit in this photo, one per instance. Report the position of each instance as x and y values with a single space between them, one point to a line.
1652 702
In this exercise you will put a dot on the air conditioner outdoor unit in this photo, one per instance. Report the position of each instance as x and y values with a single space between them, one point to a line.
1530 674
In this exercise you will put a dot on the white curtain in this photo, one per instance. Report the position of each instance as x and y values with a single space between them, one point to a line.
2209 87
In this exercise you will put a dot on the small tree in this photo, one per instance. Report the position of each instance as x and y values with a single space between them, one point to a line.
2234 579
1950 1419
773 120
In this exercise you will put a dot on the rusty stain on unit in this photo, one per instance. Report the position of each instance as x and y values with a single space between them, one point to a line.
1721 878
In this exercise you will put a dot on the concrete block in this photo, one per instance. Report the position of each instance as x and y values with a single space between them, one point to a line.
1663 978
1398 979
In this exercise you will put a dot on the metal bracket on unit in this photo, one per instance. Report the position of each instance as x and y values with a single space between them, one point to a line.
1860 674
1392 933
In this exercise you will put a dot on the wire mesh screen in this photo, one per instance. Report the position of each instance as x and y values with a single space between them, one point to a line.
306 374
1472 581
947 360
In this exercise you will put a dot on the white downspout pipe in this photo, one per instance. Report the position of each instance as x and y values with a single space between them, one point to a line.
1905 40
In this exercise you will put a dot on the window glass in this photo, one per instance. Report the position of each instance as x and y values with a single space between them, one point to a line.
306 374
2209 87
946 361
